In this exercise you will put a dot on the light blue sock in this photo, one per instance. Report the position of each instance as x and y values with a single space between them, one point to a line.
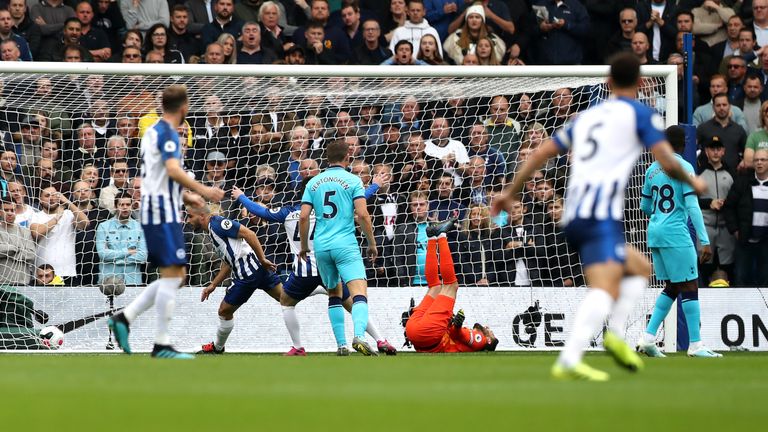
360 315
660 310
336 316
692 311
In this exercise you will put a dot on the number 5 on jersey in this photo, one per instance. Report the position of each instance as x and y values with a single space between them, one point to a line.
328 203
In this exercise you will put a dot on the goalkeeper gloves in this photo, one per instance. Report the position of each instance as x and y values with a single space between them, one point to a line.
457 320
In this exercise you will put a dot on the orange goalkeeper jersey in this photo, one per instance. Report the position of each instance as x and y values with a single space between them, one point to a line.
460 340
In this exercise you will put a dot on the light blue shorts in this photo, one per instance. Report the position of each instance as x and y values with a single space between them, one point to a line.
345 263
675 264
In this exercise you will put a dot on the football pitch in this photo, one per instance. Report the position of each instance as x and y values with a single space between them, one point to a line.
474 392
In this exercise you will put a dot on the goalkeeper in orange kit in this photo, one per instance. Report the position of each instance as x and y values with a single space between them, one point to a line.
432 327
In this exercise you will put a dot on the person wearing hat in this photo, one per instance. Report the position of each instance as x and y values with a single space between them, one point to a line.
414 28
215 175
29 141
719 177
295 55
464 40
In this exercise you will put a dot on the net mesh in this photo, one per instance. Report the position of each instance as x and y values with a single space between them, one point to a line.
80 135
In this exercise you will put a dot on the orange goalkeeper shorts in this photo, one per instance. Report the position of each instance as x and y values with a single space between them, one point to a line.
429 322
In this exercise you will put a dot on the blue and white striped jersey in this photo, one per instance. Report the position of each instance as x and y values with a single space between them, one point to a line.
605 141
234 250
160 196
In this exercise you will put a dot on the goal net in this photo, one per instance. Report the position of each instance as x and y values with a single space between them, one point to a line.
428 143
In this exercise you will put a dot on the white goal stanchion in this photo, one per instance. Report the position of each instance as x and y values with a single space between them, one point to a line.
76 128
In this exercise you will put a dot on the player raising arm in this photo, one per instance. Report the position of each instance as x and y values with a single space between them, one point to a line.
432 327
670 203
604 141
304 279
161 196
337 197
243 258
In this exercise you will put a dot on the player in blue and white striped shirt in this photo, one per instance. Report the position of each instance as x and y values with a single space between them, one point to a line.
243 258
163 178
604 143
305 277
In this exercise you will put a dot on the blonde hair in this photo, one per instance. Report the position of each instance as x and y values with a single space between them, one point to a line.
232 59
485 219
763 107
536 126
492 60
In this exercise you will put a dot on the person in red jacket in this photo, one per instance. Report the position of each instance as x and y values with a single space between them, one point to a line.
432 327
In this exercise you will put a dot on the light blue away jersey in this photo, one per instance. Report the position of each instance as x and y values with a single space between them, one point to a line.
668 202
332 194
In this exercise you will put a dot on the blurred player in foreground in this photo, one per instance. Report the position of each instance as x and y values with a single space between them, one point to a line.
304 279
432 327
670 203
338 198
604 141
161 197
243 258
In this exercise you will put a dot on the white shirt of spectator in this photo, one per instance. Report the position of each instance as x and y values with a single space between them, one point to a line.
57 248
23 219
453 146
762 35
657 31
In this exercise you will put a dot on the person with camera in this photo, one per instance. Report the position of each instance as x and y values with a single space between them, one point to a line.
432 326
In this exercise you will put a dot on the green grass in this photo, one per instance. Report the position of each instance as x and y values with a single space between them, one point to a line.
471 393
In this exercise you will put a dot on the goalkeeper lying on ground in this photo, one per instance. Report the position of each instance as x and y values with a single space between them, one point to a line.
432 327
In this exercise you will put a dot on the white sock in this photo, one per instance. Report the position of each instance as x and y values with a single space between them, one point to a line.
373 331
292 324
589 318
165 303
318 291
142 302
649 338
632 288
695 346
222 333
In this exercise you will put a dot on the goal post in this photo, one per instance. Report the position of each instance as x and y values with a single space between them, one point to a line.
71 126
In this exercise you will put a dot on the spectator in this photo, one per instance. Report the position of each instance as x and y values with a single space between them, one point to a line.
445 205
503 130
737 72
118 182
745 207
475 247
640 48
719 178
214 53
369 127
334 40
451 152
229 44
85 152
658 20
180 38
92 38
216 176
9 169
429 51
747 48
350 17
403 56
224 22
45 275
717 85
90 175
315 51
414 28
201 13
54 230
271 17
760 21
120 244
464 41
486 55
29 141
560 110
43 175
513 256
752 101
559 37
108 18
24 26
411 242
622 41
52 49
50 15
474 190
733 136
230 140
440 13
157 42
390 151
295 55
142 14
6 33
710 21
396 18
758 139
494 161
730 46
557 265
134 190
132 38
24 211
84 197
131 54
17 250
251 51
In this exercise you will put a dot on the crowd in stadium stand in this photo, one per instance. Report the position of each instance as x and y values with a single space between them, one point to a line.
72 174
